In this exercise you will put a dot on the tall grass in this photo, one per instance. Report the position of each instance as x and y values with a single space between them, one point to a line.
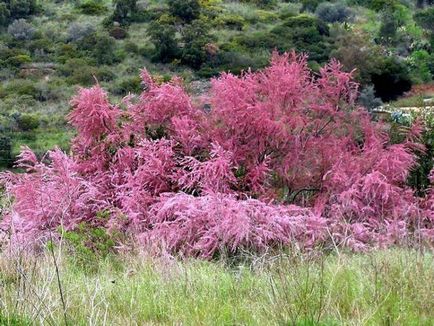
393 287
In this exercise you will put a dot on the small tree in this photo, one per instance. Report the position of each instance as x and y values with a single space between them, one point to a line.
162 35
334 12
104 50
187 10
123 10
77 31
21 30
5 151
195 38
4 14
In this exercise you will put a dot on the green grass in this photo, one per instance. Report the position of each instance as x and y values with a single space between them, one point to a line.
42 140
392 287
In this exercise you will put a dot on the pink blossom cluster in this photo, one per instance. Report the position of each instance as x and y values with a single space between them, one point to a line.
283 157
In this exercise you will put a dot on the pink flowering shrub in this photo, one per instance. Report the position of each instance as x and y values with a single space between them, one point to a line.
282 158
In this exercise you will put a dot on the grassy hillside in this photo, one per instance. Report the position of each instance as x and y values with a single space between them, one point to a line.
49 48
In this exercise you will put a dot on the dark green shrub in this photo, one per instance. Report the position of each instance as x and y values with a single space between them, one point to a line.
124 10
131 47
5 152
27 122
195 37
66 52
425 18
40 44
19 8
104 74
304 34
261 3
4 14
391 80
92 8
162 34
89 244
310 5
333 12
18 60
187 10
104 50
231 21
388 28
128 85
18 87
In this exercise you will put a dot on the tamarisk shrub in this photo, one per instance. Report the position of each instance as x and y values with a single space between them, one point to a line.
282 158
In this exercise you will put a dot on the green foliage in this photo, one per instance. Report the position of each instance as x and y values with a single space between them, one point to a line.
124 10
419 66
89 243
304 33
5 151
80 71
4 14
333 12
104 50
162 35
27 122
92 7
310 5
357 52
13 320
128 85
18 60
16 9
392 79
388 28
131 47
195 37
187 10
368 100
231 21
21 30
18 87
425 18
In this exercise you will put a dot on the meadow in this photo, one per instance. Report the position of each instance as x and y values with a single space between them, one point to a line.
384 287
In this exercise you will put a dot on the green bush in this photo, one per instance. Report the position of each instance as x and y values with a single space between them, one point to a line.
392 79
89 243
419 66
27 122
104 50
18 61
195 37
5 151
18 87
21 30
131 47
187 10
128 85
124 11
231 21
162 34
92 8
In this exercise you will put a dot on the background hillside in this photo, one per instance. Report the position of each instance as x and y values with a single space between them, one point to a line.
49 48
